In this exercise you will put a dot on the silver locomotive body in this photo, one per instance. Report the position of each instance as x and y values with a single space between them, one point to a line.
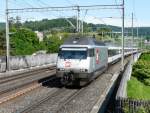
80 60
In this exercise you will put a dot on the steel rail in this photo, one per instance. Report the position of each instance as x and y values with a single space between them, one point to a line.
23 91
26 83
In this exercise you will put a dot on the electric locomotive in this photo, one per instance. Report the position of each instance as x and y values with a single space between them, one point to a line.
80 60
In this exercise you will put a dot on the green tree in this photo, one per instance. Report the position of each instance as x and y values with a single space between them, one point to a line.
2 42
53 44
24 42
102 31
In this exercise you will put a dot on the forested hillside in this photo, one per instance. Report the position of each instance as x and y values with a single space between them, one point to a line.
59 24
62 24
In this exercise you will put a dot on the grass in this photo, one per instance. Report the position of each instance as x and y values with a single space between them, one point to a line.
146 57
137 90
139 85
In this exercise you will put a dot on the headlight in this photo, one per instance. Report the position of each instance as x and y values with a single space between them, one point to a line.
60 69
83 70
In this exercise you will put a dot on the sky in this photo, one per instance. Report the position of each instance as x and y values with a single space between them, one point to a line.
140 8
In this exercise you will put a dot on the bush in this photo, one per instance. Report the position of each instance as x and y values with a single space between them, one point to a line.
141 74
24 42
54 43
141 69
142 110
141 64
147 82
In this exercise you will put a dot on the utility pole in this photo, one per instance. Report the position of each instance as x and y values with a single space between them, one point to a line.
122 58
7 38
82 29
137 34
132 38
102 35
79 24
82 26
141 43
78 20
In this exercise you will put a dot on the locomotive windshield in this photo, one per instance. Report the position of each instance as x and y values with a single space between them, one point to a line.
73 54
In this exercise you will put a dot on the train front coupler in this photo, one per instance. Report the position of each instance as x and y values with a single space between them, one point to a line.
67 78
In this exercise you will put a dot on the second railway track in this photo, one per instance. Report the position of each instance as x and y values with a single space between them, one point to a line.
16 82
23 90
25 74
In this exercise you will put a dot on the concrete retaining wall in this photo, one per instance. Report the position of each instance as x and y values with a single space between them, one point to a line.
22 62
122 92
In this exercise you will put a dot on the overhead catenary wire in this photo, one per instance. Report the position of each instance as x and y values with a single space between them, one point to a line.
28 3
39 4
68 8
70 2
15 3
43 3
65 8
116 4
83 20
46 5
60 14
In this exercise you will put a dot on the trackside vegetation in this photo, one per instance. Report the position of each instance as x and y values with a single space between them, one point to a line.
139 85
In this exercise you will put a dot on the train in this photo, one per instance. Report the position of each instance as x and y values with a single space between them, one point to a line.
81 60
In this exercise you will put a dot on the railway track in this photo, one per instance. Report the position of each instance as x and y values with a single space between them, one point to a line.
52 96
25 89
56 99
25 74
17 83
67 100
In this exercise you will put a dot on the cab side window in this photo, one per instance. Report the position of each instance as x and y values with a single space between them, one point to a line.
91 52
59 52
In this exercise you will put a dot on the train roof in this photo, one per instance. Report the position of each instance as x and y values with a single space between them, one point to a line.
83 41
